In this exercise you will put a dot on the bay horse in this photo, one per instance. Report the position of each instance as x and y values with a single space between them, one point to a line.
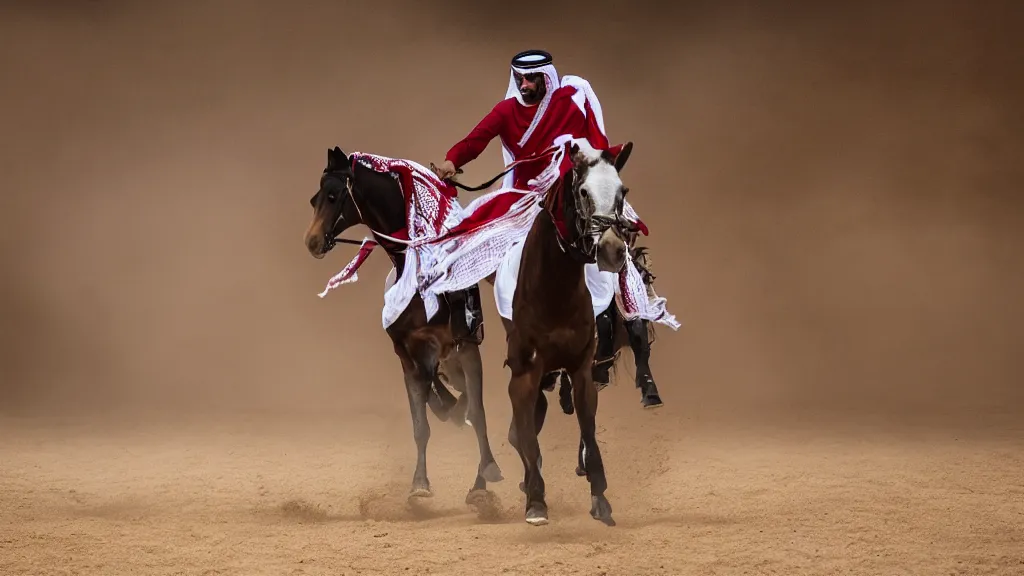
553 325
623 335
351 194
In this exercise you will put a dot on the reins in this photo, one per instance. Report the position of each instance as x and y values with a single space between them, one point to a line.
592 226
339 240
546 153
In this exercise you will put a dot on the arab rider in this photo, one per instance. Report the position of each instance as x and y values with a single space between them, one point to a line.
539 110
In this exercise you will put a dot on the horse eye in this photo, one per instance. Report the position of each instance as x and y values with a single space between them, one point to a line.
625 191
332 197
583 192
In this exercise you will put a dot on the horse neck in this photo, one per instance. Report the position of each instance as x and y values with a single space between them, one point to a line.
561 269
382 206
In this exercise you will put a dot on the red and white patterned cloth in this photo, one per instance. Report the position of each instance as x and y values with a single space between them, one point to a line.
450 248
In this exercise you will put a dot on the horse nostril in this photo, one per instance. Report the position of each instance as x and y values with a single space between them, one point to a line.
313 244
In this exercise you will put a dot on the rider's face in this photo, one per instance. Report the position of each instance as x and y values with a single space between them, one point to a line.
531 86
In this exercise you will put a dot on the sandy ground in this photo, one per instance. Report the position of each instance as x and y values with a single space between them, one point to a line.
249 498
833 191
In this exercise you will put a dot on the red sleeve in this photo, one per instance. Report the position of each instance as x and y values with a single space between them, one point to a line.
477 140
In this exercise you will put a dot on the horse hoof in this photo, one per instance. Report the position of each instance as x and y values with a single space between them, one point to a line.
601 509
537 516
420 492
491 472
652 401
478 497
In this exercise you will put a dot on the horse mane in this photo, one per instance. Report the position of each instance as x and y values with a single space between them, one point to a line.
589 154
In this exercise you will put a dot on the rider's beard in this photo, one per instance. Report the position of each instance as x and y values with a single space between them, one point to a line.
534 95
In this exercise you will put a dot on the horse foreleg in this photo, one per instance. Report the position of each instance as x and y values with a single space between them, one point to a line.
584 392
417 389
523 391
470 367
540 413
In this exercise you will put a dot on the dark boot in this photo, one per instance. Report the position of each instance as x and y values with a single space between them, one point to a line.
548 381
565 395
467 315
639 341
547 384
604 356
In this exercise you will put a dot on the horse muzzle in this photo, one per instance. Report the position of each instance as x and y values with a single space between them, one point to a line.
318 244
611 251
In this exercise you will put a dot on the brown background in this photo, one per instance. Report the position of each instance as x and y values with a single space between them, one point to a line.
835 194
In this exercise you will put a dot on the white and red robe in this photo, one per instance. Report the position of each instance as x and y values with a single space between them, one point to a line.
465 246
569 110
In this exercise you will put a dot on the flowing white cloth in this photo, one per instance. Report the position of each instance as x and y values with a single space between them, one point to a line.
602 285
444 254
462 261
431 210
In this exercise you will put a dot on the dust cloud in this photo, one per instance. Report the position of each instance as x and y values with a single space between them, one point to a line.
834 195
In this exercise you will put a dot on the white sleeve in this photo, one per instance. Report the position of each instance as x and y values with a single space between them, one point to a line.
584 92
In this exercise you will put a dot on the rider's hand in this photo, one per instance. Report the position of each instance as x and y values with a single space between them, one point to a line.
446 170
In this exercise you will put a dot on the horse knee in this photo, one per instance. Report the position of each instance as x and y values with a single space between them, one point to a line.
520 359
421 431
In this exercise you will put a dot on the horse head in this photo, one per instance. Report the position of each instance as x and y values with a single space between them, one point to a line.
594 203
353 192
334 208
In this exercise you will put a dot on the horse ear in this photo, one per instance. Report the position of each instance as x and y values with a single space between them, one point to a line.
576 154
336 158
620 160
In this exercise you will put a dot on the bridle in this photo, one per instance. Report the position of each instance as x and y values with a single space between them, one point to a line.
592 227
330 239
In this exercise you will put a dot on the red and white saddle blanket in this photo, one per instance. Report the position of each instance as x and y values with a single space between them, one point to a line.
450 248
